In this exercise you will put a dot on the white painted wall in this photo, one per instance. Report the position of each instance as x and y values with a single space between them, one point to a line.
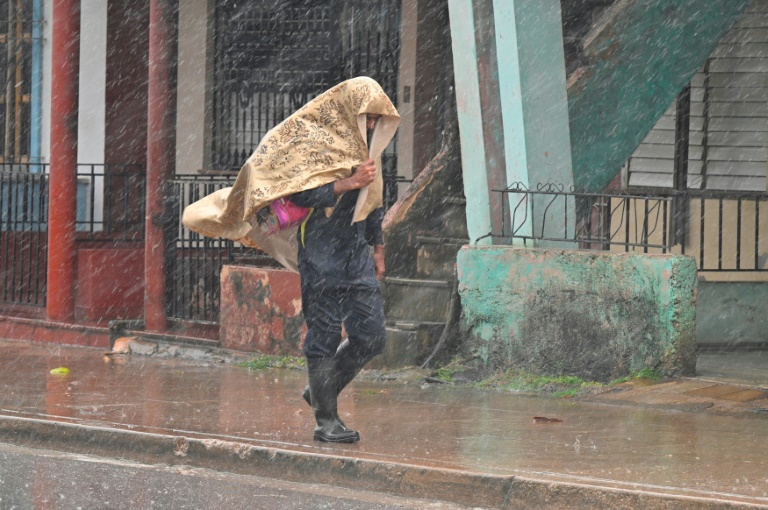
191 101
93 76
45 135
93 68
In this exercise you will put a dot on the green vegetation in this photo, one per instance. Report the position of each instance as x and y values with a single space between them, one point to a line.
445 374
265 361
564 386
466 373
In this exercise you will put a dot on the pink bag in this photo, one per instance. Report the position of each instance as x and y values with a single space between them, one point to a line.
280 215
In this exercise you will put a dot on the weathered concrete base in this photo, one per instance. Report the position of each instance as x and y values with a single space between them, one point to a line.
156 347
732 314
596 315
41 330
261 310
473 489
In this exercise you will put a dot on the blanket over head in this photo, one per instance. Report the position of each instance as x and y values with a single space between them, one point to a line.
320 143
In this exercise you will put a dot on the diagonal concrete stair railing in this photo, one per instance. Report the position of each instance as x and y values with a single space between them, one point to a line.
638 57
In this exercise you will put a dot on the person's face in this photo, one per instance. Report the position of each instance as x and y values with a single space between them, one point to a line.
370 121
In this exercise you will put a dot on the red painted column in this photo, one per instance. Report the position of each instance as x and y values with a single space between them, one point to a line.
62 192
161 115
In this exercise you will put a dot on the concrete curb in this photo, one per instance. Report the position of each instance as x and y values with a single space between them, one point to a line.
459 487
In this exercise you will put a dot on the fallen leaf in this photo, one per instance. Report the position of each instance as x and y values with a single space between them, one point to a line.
543 419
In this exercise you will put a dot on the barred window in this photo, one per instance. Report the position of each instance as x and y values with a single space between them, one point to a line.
16 38
272 57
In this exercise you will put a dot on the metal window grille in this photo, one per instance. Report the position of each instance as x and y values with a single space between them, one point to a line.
16 69
272 57
23 237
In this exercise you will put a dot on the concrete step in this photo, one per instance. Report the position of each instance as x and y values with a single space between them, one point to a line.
416 300
450 218
408 344
436 256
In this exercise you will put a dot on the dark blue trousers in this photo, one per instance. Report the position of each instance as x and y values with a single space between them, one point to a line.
338 278
359 307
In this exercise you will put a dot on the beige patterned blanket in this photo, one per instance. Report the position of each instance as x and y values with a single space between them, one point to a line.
320 143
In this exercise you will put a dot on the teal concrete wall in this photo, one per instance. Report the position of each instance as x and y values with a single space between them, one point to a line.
732 313
596 315
640 59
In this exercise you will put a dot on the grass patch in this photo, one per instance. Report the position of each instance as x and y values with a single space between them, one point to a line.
265 361
569 393
564 386
445 374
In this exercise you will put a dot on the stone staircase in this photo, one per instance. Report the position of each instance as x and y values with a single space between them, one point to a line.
619 83
418 309
424 231
427 227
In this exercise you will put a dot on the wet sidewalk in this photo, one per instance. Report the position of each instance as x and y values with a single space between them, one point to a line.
472 447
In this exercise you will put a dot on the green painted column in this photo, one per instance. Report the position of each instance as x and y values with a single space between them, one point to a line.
534 104
470 116
529 143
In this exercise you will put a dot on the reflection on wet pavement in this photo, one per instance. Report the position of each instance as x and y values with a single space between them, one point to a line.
440 426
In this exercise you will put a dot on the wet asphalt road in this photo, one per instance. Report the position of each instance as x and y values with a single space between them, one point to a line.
43 479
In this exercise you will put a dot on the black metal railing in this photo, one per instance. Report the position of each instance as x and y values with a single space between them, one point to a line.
110 208
586 220
194 262
110 202
724 231
727 231
23 237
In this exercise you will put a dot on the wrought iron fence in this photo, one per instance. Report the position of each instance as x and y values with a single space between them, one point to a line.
194 262
586 220
23 237
110 208
724 231
110 202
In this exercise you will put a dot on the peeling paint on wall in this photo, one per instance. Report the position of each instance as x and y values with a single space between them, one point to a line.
596 315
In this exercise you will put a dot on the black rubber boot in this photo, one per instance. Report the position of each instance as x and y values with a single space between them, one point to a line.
349 363
347 367
322 384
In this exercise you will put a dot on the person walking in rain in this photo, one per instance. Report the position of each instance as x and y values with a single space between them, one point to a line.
339 284
326 158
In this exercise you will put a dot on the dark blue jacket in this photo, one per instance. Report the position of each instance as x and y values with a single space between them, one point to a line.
335 252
